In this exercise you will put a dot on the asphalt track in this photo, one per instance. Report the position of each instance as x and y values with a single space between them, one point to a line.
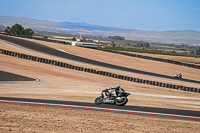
6 76
48 50
164 112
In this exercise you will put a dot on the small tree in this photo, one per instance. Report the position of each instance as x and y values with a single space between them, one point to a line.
113 43
84 39
140 45
116 37
18 30
192 52
90 41
29 32
73 39
8 30
146 45
128 44
45 37
198 51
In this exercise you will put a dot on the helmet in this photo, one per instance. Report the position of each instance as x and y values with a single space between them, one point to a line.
118 86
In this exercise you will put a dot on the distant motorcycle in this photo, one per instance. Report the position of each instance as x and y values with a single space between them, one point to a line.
111 98
178 75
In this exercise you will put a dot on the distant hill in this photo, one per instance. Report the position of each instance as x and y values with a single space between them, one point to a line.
177 37
84 26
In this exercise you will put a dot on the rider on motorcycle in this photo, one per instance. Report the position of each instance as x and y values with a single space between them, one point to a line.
115 91
116 96
178 75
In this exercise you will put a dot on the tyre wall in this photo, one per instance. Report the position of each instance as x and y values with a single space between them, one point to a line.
93 71
154 58
127 54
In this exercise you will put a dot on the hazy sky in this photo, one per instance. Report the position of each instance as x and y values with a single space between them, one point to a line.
135 14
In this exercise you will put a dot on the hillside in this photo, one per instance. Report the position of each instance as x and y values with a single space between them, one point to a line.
178 37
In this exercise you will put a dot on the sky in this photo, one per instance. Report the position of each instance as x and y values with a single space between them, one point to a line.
156 15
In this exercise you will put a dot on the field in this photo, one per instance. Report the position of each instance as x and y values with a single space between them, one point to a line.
70 85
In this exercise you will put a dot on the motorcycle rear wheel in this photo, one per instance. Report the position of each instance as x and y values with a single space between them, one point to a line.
121 102
98 100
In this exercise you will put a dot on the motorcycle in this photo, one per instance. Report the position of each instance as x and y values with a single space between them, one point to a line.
178 75
111 98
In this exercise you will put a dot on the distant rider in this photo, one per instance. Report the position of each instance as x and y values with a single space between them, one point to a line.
178 76
115 91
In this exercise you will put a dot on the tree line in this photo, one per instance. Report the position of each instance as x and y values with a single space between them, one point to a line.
18 30
198 51
144 44
116 37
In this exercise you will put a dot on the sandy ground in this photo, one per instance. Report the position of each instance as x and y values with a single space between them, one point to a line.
136 63
151 66
66 84
23 119
176 58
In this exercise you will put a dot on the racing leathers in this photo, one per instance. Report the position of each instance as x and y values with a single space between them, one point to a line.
115 91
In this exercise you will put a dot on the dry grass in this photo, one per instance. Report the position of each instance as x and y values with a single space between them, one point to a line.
65 84
21 118
169 57
136 63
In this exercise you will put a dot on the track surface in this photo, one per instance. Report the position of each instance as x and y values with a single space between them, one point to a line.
187 114
48 50
6 76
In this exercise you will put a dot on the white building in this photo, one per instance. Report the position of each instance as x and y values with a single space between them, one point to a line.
85 44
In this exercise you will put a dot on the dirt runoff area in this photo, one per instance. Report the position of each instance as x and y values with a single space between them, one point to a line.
31 119
70 85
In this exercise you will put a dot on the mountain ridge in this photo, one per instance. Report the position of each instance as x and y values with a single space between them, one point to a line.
189 37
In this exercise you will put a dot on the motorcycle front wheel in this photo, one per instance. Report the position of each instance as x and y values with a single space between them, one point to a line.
98 100
122 101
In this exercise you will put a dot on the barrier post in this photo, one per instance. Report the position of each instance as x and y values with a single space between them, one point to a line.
180 87
157 83
129 78
143 81
109 74
119 76
140 80
163 84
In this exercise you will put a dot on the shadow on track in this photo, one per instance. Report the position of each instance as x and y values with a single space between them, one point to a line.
6 76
